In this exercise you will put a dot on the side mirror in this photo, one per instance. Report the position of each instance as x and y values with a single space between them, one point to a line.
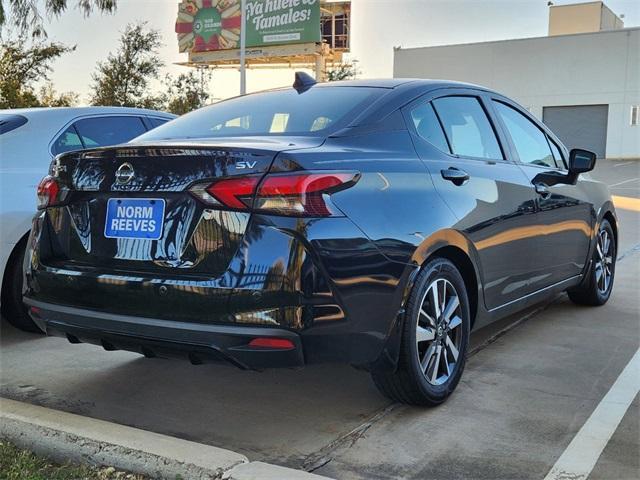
581 161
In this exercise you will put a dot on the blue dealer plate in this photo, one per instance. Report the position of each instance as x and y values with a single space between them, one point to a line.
134 218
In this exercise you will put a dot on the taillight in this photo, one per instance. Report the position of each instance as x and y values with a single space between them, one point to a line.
48 192
296 194
234 192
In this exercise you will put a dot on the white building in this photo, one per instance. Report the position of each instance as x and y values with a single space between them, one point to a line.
585 86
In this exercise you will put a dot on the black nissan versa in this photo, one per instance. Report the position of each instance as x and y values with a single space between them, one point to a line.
369 222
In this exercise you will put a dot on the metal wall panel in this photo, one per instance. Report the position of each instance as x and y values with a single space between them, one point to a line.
582 126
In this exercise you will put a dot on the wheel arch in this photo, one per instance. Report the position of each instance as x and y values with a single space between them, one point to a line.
10 259
458 249
613 221
465 266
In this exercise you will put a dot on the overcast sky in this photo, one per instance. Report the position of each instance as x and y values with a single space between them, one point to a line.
377 26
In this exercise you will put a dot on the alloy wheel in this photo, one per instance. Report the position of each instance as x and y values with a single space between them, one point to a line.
439 331
604 261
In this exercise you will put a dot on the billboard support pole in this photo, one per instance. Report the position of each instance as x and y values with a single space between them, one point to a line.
243 47
320 68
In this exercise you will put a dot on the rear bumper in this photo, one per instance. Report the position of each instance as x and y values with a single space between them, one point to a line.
320 283
199 343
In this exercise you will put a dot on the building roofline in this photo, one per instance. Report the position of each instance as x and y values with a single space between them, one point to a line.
602 32
579 3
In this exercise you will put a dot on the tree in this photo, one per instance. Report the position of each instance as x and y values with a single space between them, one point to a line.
341 71
49 97
187 92
123 79
21 66
27 14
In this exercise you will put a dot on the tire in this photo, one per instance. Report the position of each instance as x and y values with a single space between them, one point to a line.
597 286
12 307
412 383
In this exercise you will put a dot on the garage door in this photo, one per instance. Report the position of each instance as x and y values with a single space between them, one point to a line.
583 126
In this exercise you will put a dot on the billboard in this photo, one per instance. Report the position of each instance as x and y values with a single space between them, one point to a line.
213 25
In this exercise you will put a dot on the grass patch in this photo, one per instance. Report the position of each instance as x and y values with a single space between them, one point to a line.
18 464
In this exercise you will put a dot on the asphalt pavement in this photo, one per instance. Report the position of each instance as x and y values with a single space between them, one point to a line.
531 387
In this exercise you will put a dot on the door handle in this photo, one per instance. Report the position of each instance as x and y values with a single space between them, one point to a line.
542 190
455 175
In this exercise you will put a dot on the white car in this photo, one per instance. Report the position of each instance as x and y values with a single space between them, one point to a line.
29 139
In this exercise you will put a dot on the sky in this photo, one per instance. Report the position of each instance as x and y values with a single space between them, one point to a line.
377 27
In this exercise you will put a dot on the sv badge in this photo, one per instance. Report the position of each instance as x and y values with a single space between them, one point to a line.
241 165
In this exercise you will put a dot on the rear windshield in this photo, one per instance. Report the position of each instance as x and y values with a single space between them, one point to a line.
10 122
279 112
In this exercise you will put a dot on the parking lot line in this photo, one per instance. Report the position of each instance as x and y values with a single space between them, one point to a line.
624 181
579 458
626 203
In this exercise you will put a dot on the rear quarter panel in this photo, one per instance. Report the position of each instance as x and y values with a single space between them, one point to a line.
394 203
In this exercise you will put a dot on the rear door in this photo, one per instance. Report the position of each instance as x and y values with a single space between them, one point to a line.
491 197
564 214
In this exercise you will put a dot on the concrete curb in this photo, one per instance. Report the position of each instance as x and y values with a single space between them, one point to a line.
68 437
267 471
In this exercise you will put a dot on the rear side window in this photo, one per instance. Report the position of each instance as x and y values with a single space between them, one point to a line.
530 142
428 126
467 127
279 112
9 122
68 141
156 122
105 131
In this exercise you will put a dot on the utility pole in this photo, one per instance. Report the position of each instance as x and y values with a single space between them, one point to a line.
243 47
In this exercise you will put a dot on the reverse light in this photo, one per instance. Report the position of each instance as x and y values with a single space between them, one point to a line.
301 194
294 194
48 192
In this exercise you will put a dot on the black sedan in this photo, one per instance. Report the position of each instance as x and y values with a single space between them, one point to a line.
375 223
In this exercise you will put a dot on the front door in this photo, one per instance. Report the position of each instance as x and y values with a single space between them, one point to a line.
564 216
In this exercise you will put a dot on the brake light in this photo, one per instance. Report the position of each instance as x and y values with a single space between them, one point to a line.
295 194
48 192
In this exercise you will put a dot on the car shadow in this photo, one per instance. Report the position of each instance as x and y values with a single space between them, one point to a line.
277 415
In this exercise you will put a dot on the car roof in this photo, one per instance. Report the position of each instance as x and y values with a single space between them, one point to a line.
63 113
418 83
400 92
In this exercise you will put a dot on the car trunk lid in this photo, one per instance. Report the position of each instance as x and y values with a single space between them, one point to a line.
129 207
